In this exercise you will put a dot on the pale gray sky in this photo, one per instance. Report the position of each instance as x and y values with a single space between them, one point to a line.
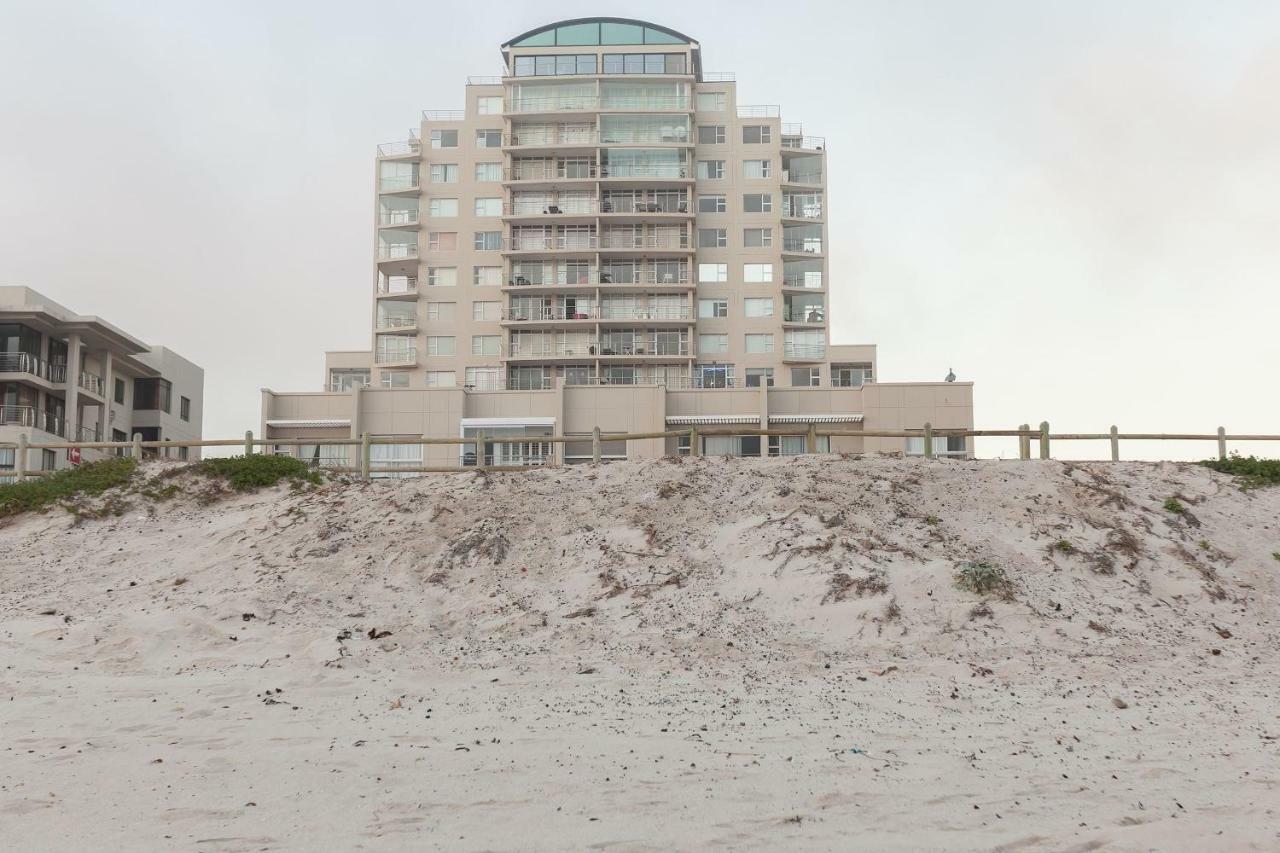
1076 205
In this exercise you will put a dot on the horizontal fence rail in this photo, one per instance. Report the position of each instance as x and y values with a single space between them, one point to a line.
480 460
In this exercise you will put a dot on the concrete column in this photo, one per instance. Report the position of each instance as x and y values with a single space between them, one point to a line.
74 351
108 394
764 416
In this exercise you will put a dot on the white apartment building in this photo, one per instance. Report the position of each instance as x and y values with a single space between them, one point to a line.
604 219
69 377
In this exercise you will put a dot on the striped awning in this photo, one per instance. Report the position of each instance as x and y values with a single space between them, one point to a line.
815 419
697 420
314 423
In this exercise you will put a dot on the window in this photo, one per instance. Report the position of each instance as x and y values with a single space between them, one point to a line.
444 173
713 344
550 65
713 238
442 276
710 170
486 311
441 345
442 207
444 139
345 380
486 172
184 408
756 134
755 238
489 105
488 139
184 453
756 169
394 379
757 203
442 379
758 307
711 134
152 395
486 276
759 343
642 63
119 391
442 241
712 308
484 378
757 273
440 312
710 102
805 377
488 241
711 204
488 207
713 273
757 376
850 375
486 344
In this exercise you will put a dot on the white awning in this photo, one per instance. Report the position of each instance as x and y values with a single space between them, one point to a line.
482 423
315 423
815 419
695 420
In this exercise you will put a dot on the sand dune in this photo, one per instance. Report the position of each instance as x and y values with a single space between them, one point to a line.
714 654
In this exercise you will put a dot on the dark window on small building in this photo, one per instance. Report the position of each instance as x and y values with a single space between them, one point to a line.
182 453
120 435
184 408
152 395
48 460
118 396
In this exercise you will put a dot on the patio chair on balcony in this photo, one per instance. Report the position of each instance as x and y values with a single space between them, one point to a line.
552 209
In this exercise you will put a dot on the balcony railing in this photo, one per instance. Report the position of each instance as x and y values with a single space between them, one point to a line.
800 281
22 362
398 288
593 102
803 315
550 172
398 149
529 137
91 382
549 348
806 246
397 322
444 115
627 204
562 207
89 434
657 312
644 241
541 314
403 356
800 210
803 351
552 243
791 176
670 171
719 77
399 184
645 347
759 111
398 252
29 416
604 314
813 143
399 217
619 277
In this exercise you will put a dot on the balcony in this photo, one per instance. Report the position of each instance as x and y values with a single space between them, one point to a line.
406 148
548 347
550 136
626 346
92 383
795 208
550 172
672 202
397 286
808 177
644 242
804 143
803 352
389 184
400 323
643 314
646 171
560 210
407 217
811 314
550 243
32 418
400 357
802 245
397 252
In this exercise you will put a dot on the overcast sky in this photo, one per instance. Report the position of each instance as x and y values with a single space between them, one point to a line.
1075 205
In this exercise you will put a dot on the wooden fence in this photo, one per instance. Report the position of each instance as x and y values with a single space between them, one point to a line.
1025 435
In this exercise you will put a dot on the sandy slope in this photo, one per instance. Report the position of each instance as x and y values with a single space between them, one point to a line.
724 654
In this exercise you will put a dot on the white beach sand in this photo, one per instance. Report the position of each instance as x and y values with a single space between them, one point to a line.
714 654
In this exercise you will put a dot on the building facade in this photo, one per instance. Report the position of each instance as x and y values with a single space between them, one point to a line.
605 220
68 377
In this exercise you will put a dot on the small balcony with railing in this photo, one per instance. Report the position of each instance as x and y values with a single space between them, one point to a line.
392 315
804 206
92 383
802 239
629 173
28 365
398 212
567 309
395 351
397 286
399 176
550 171
410 148
33 418
803 274
643 205
804 346
644 344
804 309
397 251
802 169
567 207
550 346
548 240
645 240
551 136
794 139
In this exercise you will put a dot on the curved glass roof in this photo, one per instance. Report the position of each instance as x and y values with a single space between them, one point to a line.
597 31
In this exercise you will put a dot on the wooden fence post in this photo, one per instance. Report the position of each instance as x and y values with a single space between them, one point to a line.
1222 442
595 445
1115 444
694 449
248 442
480 458
1044 439
365 455
811 438
928 440
20 464
1024 442
137 447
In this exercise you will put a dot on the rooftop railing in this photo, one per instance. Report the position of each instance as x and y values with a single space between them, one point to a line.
484 81
444 115
718 76
759 111
399 149
814 143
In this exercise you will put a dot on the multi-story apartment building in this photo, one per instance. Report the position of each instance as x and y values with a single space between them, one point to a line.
67 377
607 215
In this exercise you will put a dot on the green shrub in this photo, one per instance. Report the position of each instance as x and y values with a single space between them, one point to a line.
1253 471
1174 506
1064 546
983 579
91 478
244 473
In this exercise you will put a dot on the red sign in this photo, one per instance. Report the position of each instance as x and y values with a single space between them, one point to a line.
73 455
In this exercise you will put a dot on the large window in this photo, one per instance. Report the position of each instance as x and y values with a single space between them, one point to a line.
713 344
552 65
442 241
446 207
756 169
759 343
444 173
711 134
488 241
710 170
441 345
711 204
713 273
486 276
489 105
488 207
713 238
487 172
444 139
758 307
757 376
713 308
488 139
441 379
643 63
756 238
757 273
756 134
152 395
757 203
486 344
710 102
442 276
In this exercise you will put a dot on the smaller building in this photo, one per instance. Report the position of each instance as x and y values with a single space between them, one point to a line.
70 377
